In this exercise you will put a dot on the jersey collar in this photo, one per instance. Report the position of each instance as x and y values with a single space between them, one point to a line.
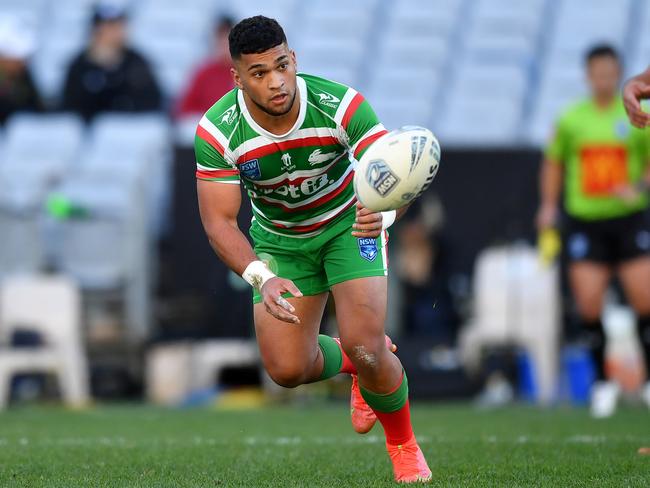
302 91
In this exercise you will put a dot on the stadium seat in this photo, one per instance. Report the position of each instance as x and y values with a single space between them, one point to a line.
559 88
417 85
121 140
481 121
104 244
44 144
57 318
395 113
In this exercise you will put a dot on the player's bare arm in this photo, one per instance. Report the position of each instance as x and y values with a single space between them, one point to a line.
635 90
219 206
551 177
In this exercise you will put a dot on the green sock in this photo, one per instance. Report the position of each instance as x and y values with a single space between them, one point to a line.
387 402
332 357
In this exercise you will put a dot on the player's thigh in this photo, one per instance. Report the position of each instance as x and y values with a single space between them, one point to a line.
589 280
286 347
635 278
361 311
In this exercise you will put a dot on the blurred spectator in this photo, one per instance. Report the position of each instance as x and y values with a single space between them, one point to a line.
108 75
427 303
213 79
17 89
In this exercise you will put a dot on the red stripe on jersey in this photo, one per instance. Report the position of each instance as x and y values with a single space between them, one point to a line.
300 179
210 139
367 141
260 152
216 173
317 225
349 113
324 199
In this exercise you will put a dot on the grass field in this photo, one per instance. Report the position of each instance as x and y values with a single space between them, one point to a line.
293 446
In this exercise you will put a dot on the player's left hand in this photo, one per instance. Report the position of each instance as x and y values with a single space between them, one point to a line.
367 223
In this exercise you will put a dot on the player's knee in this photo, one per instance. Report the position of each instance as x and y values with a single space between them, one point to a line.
288 376
365 353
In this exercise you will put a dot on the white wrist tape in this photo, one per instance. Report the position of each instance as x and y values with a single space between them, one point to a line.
257 273
388 219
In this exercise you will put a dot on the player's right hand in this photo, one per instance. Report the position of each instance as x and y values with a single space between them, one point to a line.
633 92
275 304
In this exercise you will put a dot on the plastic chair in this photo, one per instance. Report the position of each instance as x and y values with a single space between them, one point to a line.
49 305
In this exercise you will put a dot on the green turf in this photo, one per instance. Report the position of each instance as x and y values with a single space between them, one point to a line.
143 446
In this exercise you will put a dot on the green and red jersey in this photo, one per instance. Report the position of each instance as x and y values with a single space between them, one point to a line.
300 181
600 151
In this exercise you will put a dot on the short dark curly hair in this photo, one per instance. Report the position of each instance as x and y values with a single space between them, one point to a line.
255 35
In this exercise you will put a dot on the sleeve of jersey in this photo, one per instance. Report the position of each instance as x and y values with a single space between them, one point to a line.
211 164
361 125
556 149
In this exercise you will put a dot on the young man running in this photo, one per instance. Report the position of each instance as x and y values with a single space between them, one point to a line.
289 138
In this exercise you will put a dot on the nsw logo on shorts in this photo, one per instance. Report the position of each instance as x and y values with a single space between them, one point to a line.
250 169
368 248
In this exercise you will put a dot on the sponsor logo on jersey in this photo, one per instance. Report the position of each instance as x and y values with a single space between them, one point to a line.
287 165
368 248
250 169
307 187
380 177
318 157
228 117
328 100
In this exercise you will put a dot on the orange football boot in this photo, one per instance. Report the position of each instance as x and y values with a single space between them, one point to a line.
409 465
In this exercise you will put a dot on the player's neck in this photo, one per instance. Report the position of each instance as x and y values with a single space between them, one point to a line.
275 124
603 102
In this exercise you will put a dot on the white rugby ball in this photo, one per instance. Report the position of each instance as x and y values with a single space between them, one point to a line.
397 168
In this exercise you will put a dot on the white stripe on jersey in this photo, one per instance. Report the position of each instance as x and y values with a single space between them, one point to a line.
221 139
261 141
300 174
314 220
303 235
384 250
332 187
343 106
374 130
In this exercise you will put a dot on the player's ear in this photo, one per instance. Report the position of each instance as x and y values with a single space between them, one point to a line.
236 78
293 58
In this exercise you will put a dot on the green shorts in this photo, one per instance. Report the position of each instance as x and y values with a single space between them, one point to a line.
316 263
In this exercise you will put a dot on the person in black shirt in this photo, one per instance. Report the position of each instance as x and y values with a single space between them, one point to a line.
108 75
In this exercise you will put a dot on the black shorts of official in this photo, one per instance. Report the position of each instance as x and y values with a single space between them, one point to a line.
608 241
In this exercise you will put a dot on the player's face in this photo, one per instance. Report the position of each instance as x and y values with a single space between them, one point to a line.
604 75
268 78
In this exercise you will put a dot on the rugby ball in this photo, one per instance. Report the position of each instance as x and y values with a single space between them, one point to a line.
397 168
